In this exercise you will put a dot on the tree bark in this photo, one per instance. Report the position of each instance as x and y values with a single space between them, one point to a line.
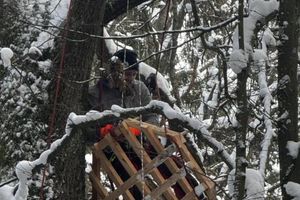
70 96
9 26
171 57
1 11
288 90
242 117
1 20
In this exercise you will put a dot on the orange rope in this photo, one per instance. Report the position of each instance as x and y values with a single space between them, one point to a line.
57 90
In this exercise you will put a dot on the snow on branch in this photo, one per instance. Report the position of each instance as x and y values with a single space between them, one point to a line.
293 189
6 54
259 12
254 184
199 29
25 168
293 148
260 62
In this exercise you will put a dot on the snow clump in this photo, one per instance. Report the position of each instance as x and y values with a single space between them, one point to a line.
237 61
6 55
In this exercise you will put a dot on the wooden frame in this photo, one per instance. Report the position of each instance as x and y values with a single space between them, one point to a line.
159 186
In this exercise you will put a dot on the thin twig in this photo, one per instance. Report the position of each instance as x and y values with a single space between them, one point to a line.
8 182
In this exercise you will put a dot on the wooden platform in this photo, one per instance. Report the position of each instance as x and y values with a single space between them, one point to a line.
169 172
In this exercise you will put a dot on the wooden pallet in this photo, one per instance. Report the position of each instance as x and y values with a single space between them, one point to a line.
183 169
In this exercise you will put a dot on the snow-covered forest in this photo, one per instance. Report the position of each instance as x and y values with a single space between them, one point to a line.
226 70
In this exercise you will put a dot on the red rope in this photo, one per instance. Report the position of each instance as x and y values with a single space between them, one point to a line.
57 90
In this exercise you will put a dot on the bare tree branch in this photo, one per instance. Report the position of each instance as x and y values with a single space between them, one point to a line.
200 29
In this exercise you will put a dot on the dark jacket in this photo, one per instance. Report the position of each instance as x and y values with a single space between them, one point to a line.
102 97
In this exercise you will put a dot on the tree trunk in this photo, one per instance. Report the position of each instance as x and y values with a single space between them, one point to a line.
1 11
287 90
242 117
241 131
171 59
70 96
1 20
9 26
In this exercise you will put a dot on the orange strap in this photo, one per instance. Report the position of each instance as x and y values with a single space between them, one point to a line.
107 129
135 131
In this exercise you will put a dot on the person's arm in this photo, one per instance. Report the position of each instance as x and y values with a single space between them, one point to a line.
93 98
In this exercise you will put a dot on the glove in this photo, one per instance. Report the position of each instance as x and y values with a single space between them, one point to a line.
135 131
107 129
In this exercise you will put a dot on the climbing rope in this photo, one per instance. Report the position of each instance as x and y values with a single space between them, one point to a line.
57 90
141 140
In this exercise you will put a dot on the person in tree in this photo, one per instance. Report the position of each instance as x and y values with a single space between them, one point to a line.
121 87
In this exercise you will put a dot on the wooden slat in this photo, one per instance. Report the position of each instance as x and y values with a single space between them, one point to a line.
158 130
147 168
169 162
136 146
96 172
207 183
100 145
107 166
180 140
170 181
121 155
150 166
97 185
125 161
191 195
